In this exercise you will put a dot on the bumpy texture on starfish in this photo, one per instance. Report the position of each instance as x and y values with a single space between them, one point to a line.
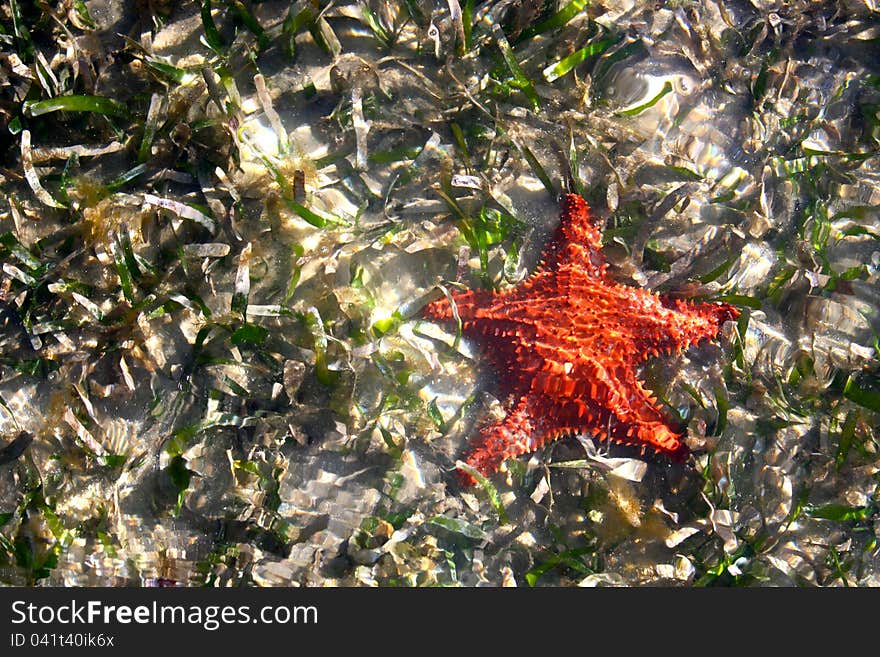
566 344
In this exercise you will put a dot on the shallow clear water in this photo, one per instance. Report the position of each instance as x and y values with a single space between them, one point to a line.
220 360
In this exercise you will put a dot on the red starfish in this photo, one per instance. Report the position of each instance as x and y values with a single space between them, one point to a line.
566 343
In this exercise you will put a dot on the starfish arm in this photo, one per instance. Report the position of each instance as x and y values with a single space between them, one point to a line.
640 422
577 416
577 223
578 239
681 324
512 436
591 393
467 304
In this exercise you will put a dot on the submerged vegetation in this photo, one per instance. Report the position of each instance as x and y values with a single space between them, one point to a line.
220 219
